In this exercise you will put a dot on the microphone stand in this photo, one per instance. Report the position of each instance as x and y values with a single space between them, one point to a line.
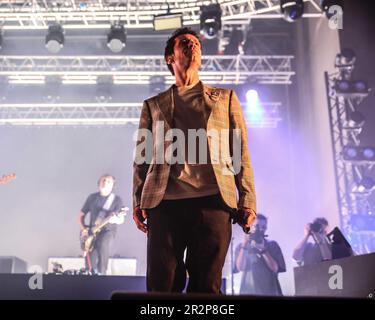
232 265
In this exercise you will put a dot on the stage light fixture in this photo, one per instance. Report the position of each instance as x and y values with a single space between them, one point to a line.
345 58
347 88
369 153
356 119
254 112
210 21
361 154
345 61
366 184
292 9
55 38
167 21
360 86
116 39
327 4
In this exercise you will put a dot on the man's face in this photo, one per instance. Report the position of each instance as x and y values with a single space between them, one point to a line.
186 53
106 185
260 224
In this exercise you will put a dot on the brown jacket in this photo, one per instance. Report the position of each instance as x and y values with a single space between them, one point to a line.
150 180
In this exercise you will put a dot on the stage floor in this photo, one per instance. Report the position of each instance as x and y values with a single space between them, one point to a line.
71 287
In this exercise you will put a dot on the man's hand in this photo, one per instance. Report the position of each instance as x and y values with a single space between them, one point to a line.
139 216
307 230
246 218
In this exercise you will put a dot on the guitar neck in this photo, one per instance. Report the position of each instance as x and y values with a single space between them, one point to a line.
106 221
101 225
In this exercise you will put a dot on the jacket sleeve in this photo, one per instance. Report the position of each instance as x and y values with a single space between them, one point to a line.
244 178
140 168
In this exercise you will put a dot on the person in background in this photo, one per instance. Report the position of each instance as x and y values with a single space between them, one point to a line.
260 261
307 252
100 205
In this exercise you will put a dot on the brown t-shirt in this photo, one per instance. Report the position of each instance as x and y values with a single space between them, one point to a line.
192 178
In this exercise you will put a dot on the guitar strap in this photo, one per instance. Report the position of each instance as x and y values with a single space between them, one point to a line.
109 202
106 207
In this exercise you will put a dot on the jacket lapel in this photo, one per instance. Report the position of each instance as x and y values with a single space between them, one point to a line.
166 105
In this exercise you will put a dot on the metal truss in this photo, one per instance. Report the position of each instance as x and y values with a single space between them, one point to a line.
351 199
100 113
139 69
79 14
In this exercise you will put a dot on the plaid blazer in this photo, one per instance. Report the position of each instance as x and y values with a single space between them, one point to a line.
150 180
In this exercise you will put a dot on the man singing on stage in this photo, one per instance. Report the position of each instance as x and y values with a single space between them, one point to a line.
189 203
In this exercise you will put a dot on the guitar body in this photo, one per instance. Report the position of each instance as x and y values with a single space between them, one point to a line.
87 240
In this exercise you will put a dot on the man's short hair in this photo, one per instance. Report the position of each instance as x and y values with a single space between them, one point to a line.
321 220
170 42
107 175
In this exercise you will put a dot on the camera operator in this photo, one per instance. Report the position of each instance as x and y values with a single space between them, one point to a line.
260 260
307 253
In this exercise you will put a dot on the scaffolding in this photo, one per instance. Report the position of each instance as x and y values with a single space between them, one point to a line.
99 14
351 200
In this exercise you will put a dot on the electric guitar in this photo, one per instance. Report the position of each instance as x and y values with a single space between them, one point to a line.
87 239
7 178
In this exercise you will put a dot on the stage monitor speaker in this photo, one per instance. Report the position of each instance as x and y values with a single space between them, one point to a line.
116 266
11 264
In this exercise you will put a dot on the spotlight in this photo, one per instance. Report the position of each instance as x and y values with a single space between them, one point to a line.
210 21
367 184
342 86
356 119
55 38
362 154
350 153
252 97
345 57
360 86
167 21
352 89
345 62
292 9
254 112
368 153
327 4
116 39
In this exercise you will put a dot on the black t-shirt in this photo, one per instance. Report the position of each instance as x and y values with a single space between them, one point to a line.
257 278
94 205
311 254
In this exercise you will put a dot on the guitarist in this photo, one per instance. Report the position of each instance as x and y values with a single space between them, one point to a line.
100 205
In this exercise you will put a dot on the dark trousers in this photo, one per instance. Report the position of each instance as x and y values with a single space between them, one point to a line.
99 256
202 226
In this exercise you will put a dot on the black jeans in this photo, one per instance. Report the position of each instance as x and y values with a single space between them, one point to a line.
100 254
202 226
